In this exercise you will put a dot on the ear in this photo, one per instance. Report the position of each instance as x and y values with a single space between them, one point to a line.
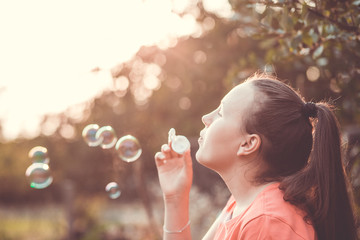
250 144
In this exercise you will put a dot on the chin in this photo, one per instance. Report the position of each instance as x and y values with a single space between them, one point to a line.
200 158
197 156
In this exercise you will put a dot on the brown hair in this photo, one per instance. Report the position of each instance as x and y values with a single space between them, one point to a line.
301 149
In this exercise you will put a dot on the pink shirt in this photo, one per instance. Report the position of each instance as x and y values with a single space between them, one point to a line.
267 217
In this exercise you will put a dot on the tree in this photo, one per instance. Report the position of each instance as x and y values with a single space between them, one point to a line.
317 43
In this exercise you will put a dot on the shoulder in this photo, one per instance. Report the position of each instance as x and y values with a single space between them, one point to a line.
270 227
271 214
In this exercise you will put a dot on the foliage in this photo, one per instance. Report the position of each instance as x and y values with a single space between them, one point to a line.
316 39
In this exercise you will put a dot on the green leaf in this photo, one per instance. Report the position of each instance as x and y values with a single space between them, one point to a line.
270 55
307 39
286 21
318 51
310 19
296 41
326 13
314 36
304 11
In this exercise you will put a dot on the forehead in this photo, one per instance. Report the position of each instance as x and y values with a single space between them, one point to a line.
239 97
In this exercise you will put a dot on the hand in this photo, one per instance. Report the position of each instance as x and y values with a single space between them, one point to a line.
175 172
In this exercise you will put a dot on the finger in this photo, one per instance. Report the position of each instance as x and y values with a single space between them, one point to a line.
165 148
187 158
160 158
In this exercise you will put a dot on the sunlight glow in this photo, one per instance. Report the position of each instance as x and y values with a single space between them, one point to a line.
49 49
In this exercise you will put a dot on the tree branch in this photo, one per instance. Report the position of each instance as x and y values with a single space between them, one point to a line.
347 28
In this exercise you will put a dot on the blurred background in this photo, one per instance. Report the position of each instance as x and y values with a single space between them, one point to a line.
142 67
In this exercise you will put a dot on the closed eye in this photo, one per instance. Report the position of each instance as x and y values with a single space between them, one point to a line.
220 112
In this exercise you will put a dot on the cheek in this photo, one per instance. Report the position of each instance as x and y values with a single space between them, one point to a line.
218 147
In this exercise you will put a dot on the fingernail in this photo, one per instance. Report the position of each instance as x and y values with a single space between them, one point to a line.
166 148
161 156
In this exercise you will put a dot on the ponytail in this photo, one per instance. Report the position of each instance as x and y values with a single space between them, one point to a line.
321 187
301 149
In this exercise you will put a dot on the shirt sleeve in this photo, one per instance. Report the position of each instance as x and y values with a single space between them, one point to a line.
268 228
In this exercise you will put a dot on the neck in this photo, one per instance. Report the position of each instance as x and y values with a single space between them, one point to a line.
238 180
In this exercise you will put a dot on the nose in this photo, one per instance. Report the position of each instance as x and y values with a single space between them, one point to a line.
206 119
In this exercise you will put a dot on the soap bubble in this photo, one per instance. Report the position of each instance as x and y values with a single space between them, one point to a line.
39 154
179 144
107 136
39 175
128 148
113 190
89 135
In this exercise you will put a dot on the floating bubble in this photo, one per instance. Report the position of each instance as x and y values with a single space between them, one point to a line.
180 144
107 136
39 154
113 190
89 135
39 175
128 148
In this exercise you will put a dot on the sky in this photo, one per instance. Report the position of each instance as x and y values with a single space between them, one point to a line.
49 48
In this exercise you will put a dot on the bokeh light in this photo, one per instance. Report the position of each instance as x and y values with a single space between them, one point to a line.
199 57
185 103
313 73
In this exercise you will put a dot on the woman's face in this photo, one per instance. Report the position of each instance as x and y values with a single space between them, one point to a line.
223 133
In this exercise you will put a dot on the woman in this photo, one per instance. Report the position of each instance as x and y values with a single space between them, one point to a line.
279 156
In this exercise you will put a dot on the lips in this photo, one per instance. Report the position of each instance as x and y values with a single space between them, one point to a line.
202 133
201 138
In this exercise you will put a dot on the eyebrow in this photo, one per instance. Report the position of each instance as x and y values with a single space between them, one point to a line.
221 106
